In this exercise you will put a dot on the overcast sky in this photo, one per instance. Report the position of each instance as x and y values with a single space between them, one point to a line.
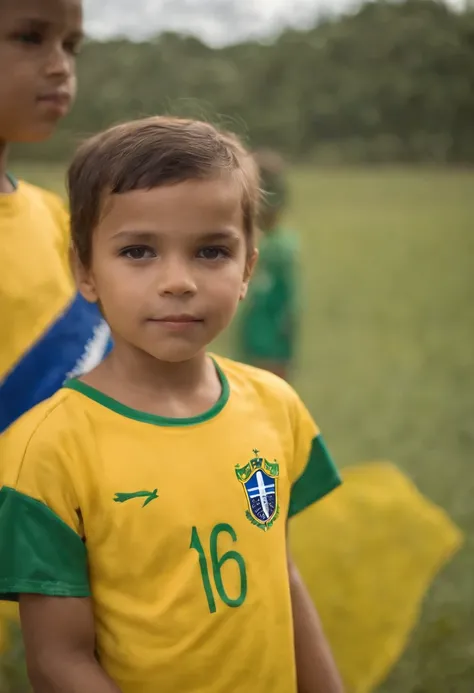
216 21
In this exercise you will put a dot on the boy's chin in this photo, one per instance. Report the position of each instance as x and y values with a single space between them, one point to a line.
177 354
34 135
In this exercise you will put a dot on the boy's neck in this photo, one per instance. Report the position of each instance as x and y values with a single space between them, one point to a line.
175 390
5 183
147 371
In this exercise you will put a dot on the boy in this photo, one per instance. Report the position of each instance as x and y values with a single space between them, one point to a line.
152 494
49 331
268 323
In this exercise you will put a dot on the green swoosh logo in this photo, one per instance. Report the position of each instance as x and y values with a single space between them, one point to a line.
148 495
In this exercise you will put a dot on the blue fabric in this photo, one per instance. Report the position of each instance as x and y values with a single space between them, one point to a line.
75 342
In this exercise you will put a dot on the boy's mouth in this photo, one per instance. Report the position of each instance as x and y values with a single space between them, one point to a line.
182 317
179 321
58 100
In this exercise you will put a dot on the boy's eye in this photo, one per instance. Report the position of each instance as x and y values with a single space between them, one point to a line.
213 253
72 47
34 38
138 252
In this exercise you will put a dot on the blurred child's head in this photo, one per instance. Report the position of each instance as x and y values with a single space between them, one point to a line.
163 215
38 44
272 179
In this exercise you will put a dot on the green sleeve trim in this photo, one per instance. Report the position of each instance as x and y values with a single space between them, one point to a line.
319 478
39 553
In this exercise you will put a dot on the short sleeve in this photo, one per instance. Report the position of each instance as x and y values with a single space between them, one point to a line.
41 547
314 473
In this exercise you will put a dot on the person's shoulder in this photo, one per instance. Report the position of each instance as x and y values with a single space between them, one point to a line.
41 195
48 424
284 243
270 391
289 240
46 200
250 379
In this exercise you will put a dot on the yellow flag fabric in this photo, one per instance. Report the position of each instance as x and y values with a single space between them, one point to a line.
369 553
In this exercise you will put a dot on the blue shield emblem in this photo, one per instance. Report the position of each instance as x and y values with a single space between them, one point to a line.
259 478
261 492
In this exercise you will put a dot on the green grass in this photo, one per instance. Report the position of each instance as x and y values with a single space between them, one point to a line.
387 357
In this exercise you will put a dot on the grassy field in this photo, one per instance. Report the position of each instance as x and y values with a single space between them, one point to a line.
386 361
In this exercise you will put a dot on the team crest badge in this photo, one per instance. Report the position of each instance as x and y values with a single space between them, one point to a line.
259 479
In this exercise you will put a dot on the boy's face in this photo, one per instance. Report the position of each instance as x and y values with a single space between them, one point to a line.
169 266
38 44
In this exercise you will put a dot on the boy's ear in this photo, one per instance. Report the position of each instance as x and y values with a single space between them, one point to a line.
249 270
83 277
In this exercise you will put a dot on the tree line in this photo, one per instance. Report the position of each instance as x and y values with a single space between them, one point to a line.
390 82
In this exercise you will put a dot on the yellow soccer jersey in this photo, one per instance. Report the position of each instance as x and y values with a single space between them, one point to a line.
176 527
34 227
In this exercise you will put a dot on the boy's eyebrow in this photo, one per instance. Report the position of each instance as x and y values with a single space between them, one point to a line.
134 236
36 23
40 24
138 236
221 235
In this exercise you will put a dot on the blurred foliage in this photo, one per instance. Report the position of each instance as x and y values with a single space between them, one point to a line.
390 82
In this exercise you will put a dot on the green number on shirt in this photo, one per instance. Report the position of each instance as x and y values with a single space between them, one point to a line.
217 564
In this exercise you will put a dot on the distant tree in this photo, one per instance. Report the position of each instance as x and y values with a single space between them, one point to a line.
392 81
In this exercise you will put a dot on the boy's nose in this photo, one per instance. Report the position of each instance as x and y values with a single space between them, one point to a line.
59 63
176 279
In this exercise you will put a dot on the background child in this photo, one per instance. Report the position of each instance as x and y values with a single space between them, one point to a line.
48 329
166 475
267 329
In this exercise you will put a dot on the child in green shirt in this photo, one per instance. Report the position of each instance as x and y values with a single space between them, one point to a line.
268 321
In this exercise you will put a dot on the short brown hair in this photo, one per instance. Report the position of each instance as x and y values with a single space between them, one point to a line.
149 153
